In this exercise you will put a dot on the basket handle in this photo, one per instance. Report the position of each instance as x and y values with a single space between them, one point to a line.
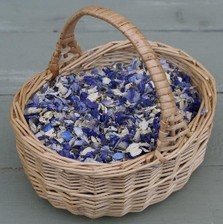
67 42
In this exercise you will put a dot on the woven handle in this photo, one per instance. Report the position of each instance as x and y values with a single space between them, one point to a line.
141 44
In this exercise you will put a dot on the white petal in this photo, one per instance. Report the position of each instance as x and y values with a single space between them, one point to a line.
182 105
168 76
123 145
151 120
71 142
103 108
77 115
39 134
92 90
32 126
42 119
135 152
90 160
67 94
94 140
152 84
60 140
93 96
143 125
118 92
48 114
69 121
132 146
106 80
137 135
85 138
78 131
128 86
56 147
123 133
78 122
112 128
63 79
86 150
180 78
145 147
63 90
188 115
33 110
50 133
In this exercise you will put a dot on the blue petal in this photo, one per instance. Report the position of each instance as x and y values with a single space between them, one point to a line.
43 137
133 65
122 89
74 99
66 146
113 84
74 87
83 96
80 107
72 78
122 100
132 95
79 142
113 141
105 157
104 118
31 116
90 132
89 155
36 100
90 104
47 127
132 78
103 139
67 135
95 113
109 73
142 87
94 71
91 81
118 156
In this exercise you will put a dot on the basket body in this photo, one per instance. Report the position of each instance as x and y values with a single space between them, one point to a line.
94 189
114 190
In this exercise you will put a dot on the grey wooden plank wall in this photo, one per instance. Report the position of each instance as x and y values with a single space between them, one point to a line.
28 33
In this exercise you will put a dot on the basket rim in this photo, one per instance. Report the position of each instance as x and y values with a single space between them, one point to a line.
131 162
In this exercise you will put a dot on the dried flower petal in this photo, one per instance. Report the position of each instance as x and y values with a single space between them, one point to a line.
118 156
106 80
87 150
78 131
66 135
106 114
134 149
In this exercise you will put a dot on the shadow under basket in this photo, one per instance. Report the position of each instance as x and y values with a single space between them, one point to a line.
115 189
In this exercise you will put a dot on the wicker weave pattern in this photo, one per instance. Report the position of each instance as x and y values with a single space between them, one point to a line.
96 190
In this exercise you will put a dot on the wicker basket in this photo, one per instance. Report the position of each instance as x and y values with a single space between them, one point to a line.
95 189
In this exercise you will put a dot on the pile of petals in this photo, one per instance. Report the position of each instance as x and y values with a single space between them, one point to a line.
106 114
